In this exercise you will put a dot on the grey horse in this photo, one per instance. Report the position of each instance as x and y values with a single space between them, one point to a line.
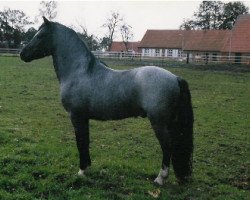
91 90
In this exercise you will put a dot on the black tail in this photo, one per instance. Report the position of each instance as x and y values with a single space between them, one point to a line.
182 137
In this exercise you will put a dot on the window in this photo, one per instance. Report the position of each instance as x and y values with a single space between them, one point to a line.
157 52
146 52
179 53
214 57
170 52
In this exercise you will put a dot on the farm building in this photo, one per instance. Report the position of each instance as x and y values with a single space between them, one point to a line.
120 47
212 45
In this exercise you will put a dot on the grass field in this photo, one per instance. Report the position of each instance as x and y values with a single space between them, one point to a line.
39 158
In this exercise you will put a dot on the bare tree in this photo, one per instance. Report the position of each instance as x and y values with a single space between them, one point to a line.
126 33
111 24
83 28
48 9
16 19
90 40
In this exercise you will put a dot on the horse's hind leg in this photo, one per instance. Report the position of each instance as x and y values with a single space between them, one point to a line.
163 135
81 126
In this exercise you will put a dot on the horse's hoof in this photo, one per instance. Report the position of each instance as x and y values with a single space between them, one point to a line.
80 172
159 181
184 180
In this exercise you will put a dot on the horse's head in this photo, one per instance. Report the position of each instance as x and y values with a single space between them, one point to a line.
40 45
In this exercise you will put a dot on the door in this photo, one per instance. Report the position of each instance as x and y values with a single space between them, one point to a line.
238 58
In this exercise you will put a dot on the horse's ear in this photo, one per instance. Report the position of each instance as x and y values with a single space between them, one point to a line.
46 21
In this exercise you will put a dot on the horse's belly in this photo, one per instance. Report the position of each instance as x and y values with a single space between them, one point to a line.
116 113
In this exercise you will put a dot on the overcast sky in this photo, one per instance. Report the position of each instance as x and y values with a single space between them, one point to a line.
141 15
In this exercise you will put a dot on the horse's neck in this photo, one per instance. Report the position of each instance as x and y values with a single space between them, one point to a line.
69 54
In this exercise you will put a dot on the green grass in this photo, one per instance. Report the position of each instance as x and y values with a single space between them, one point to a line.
39 158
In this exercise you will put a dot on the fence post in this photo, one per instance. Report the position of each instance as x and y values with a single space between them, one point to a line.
206 59
187 58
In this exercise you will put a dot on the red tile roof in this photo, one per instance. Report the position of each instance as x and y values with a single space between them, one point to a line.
191 40
199 40
240 36
120 46
162 39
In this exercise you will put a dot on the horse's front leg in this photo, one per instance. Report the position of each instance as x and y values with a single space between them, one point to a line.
81 126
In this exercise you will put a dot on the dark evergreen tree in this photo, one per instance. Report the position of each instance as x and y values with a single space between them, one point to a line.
29 34
12 24
215 15
231 11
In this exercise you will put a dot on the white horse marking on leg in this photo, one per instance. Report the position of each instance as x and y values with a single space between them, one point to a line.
162 174
80 172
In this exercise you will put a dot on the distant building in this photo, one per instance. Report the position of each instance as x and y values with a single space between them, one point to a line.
238 40
120 47
212 44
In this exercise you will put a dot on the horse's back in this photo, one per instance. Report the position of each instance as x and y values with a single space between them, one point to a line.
153 73
158 89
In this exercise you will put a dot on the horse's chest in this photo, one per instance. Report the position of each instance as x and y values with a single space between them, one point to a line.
72 98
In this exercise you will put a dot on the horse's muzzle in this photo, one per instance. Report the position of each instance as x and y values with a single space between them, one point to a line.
24 57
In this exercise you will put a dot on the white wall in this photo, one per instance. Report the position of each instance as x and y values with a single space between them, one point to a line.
152 52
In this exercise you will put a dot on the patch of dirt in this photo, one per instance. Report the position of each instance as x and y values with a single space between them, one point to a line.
242 179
